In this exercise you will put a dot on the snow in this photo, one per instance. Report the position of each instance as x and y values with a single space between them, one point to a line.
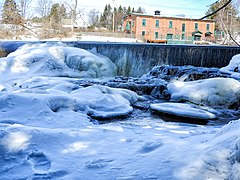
56 60
233 68
183 110
211 92
48 128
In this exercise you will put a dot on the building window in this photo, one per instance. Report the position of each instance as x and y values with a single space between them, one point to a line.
156 35
132 23
144 22
183 36
143 33
169 36
157 23
196 26
128 26
183 27
170 24
208 27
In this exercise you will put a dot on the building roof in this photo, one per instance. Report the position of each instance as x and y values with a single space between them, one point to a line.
168 17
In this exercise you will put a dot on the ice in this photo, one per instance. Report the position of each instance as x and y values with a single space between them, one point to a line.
183 110
54 96
56 60
233 68
212 92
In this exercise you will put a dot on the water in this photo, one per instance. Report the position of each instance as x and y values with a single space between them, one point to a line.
136 59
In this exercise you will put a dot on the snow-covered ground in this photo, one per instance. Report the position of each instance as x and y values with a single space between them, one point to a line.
83 38
48 127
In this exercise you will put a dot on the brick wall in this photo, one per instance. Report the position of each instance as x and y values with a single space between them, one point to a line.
135 24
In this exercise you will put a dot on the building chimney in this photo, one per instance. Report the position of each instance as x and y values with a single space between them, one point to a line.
157 13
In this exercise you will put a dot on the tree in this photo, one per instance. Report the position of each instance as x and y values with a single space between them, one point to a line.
119 18
106 17
63 11
226 19
73 6
140 10
93 17
44 7
24 5
129 10
10 14
55 16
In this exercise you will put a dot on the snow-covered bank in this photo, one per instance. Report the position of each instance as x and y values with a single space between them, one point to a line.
119 151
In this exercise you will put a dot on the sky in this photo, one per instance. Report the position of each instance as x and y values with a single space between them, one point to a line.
190 8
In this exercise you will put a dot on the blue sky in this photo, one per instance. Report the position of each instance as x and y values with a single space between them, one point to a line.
190 8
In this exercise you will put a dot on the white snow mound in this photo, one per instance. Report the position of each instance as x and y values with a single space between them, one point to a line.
56 60
52 99
182 110
233 68
212 92
220 159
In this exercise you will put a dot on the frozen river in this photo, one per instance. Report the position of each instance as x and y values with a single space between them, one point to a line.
65 113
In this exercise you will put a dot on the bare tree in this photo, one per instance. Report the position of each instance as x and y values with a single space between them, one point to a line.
93 17
44 7
24 6
73 10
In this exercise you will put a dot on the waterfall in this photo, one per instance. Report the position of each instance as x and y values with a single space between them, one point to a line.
136 59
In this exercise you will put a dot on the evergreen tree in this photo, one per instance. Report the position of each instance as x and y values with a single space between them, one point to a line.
140 10
129 10
10 14
56 14
106 17
133 10
63 12
118 17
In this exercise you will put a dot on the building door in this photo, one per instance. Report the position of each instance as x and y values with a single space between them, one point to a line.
169 36
156 35
197 37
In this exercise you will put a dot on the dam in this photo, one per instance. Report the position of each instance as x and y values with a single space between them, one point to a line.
136 59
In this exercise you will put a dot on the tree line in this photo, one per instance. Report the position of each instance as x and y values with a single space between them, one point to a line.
53 13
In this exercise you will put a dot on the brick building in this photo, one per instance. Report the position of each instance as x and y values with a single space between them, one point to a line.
158 28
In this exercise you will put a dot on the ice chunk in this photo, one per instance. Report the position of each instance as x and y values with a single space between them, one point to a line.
104 102
214 92
182 110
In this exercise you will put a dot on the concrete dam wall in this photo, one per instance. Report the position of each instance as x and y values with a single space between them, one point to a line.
136 59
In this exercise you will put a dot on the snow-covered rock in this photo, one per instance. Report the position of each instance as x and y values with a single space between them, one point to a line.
54 96
55 60
233 68
212 92
182 110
